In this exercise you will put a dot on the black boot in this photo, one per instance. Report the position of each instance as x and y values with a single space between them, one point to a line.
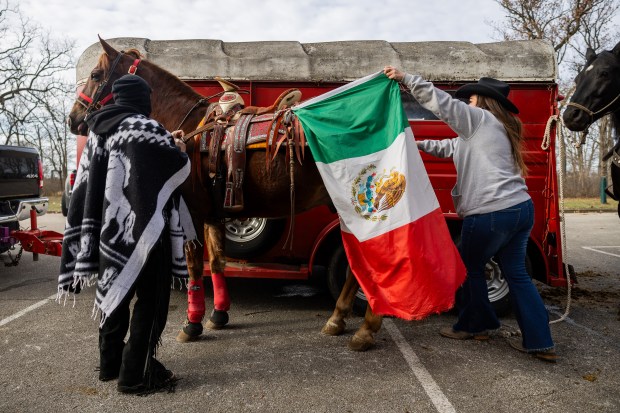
140 372
111 343
158 378
110 362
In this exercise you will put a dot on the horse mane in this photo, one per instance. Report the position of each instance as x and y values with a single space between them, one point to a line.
134 53
104 59
165 78
172 91
103 62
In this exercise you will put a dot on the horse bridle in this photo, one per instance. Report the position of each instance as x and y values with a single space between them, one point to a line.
591 113
95 103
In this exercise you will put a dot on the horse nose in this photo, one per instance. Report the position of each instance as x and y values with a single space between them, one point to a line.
69 121
575 116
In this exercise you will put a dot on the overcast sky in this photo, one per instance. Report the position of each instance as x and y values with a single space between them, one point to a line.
257 20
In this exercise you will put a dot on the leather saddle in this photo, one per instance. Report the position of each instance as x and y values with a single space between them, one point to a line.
229 129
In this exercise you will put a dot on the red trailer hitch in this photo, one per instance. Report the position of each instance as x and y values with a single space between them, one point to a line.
38 241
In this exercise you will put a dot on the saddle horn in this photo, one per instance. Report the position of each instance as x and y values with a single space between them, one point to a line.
231 96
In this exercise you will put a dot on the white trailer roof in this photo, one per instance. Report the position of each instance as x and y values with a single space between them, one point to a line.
513 61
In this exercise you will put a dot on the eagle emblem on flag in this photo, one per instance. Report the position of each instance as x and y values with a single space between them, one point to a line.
374 193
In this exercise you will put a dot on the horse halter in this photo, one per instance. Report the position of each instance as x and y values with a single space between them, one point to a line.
591 113
95 103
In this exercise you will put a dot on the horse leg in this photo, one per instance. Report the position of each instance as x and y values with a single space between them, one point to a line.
344 305
364 339
195 294
214 237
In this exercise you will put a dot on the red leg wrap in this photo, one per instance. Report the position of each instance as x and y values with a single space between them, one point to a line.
195 301
221 300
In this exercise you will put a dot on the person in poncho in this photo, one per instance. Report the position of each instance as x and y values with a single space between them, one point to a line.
125 230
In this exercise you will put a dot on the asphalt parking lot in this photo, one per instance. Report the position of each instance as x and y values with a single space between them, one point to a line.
273 358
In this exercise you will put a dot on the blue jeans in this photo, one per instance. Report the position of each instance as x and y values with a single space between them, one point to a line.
502 234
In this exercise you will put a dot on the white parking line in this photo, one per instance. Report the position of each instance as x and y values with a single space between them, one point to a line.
597 249
26 310
441 402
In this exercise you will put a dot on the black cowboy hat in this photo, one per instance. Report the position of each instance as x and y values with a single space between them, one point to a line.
489 87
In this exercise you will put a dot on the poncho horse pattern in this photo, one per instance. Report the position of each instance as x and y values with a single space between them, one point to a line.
125 194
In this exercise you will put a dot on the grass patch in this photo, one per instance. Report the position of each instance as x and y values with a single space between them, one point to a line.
590 204
54 205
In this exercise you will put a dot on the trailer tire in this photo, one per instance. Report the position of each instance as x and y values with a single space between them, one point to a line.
497 286
337 272
250 237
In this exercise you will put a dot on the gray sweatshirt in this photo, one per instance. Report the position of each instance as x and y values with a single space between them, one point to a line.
487 177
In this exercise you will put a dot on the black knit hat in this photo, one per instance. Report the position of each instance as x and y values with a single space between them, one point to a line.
489 87
132 90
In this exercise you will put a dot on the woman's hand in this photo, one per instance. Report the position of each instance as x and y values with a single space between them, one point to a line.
177 135
394 73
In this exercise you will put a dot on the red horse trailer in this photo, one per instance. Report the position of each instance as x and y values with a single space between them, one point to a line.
256 246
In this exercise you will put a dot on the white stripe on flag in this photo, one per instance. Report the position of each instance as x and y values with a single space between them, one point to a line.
418 199
337 91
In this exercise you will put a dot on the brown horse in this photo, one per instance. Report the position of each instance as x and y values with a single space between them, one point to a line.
597 94
177 106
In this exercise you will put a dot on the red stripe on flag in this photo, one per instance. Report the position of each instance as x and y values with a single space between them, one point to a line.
410 272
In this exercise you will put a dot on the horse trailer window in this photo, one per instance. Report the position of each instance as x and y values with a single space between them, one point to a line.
414 110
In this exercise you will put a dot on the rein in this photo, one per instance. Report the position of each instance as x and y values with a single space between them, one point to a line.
95 103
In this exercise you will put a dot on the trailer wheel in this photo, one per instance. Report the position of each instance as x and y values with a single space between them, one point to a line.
337 273
499 293
247 238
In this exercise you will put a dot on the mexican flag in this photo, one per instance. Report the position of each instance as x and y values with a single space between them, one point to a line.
394 233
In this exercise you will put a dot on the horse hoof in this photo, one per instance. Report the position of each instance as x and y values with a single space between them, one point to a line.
182 337
189 332
333 329
358 343
218 320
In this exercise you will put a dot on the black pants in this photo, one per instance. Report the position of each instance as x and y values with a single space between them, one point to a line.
131 361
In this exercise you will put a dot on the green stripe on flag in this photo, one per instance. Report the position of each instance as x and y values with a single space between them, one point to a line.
357 121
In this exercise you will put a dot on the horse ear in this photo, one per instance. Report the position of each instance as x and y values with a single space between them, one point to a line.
616 50
109 50
590 54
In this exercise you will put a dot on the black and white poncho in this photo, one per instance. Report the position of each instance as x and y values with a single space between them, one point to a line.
126 190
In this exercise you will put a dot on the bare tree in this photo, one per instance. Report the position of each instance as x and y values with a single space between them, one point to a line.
557 21
48 131
570 26
34 89
33 67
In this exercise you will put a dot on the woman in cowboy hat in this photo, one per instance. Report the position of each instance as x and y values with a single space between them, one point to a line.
491 196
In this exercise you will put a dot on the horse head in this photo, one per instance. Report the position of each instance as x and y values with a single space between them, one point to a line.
597 90
97 90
